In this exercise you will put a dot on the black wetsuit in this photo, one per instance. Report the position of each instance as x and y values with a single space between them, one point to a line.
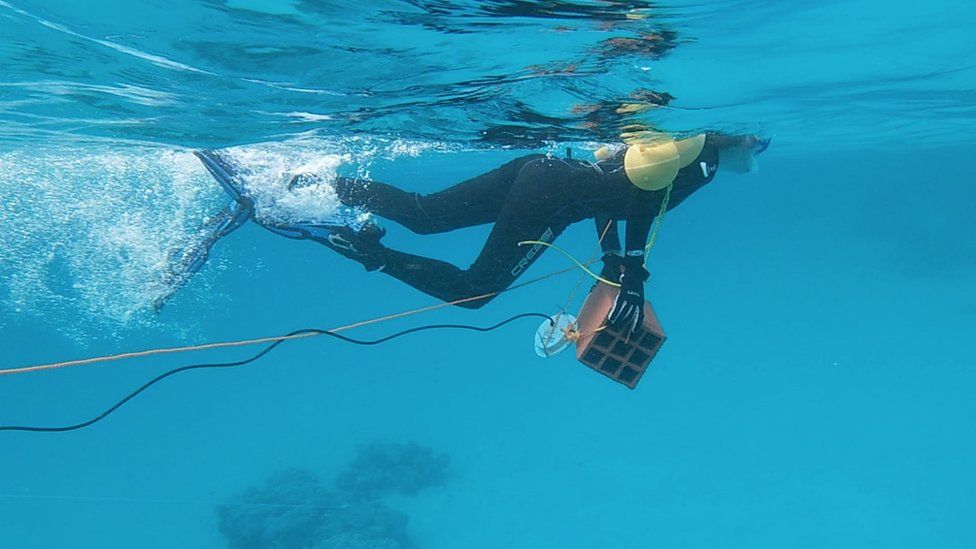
534 197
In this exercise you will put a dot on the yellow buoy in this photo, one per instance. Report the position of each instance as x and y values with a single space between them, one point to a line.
689 148
652 165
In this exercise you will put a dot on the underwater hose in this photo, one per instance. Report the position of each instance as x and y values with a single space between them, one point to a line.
274 342
261 353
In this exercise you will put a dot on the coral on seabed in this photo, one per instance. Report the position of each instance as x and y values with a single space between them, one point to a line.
381 468
294 510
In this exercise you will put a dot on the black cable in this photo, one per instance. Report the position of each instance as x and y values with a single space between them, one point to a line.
260 354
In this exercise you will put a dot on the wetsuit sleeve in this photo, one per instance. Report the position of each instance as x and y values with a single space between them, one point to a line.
696 175
611 240
643 208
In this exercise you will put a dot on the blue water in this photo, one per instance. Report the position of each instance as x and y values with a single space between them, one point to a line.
815 390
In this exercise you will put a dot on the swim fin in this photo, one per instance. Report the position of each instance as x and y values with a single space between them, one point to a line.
359 242
341 231
225 171
226 174
183 262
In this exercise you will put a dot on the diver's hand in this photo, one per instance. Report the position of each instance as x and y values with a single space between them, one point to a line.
627 312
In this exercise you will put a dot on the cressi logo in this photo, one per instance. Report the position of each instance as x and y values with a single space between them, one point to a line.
532 253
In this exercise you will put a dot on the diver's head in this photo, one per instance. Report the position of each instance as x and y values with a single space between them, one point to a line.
743 156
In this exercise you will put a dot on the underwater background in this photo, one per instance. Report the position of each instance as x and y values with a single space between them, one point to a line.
816 387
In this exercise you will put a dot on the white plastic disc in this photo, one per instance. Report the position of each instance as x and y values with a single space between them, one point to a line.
551 339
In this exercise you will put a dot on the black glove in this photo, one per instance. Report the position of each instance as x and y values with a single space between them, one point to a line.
627 312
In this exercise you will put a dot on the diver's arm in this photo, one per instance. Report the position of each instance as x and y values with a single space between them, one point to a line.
643 208
607 230
627 312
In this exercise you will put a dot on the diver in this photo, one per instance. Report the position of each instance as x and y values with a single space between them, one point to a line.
532 198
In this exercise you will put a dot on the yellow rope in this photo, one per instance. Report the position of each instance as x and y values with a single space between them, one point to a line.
569 332
596 250
579 264
647 249
657 223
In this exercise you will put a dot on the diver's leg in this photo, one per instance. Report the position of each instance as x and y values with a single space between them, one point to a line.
500 263
477 201
535 210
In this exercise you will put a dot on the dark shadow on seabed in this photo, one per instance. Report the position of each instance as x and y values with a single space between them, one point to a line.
294 508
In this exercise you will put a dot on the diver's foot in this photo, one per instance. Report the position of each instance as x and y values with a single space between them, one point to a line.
361 244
